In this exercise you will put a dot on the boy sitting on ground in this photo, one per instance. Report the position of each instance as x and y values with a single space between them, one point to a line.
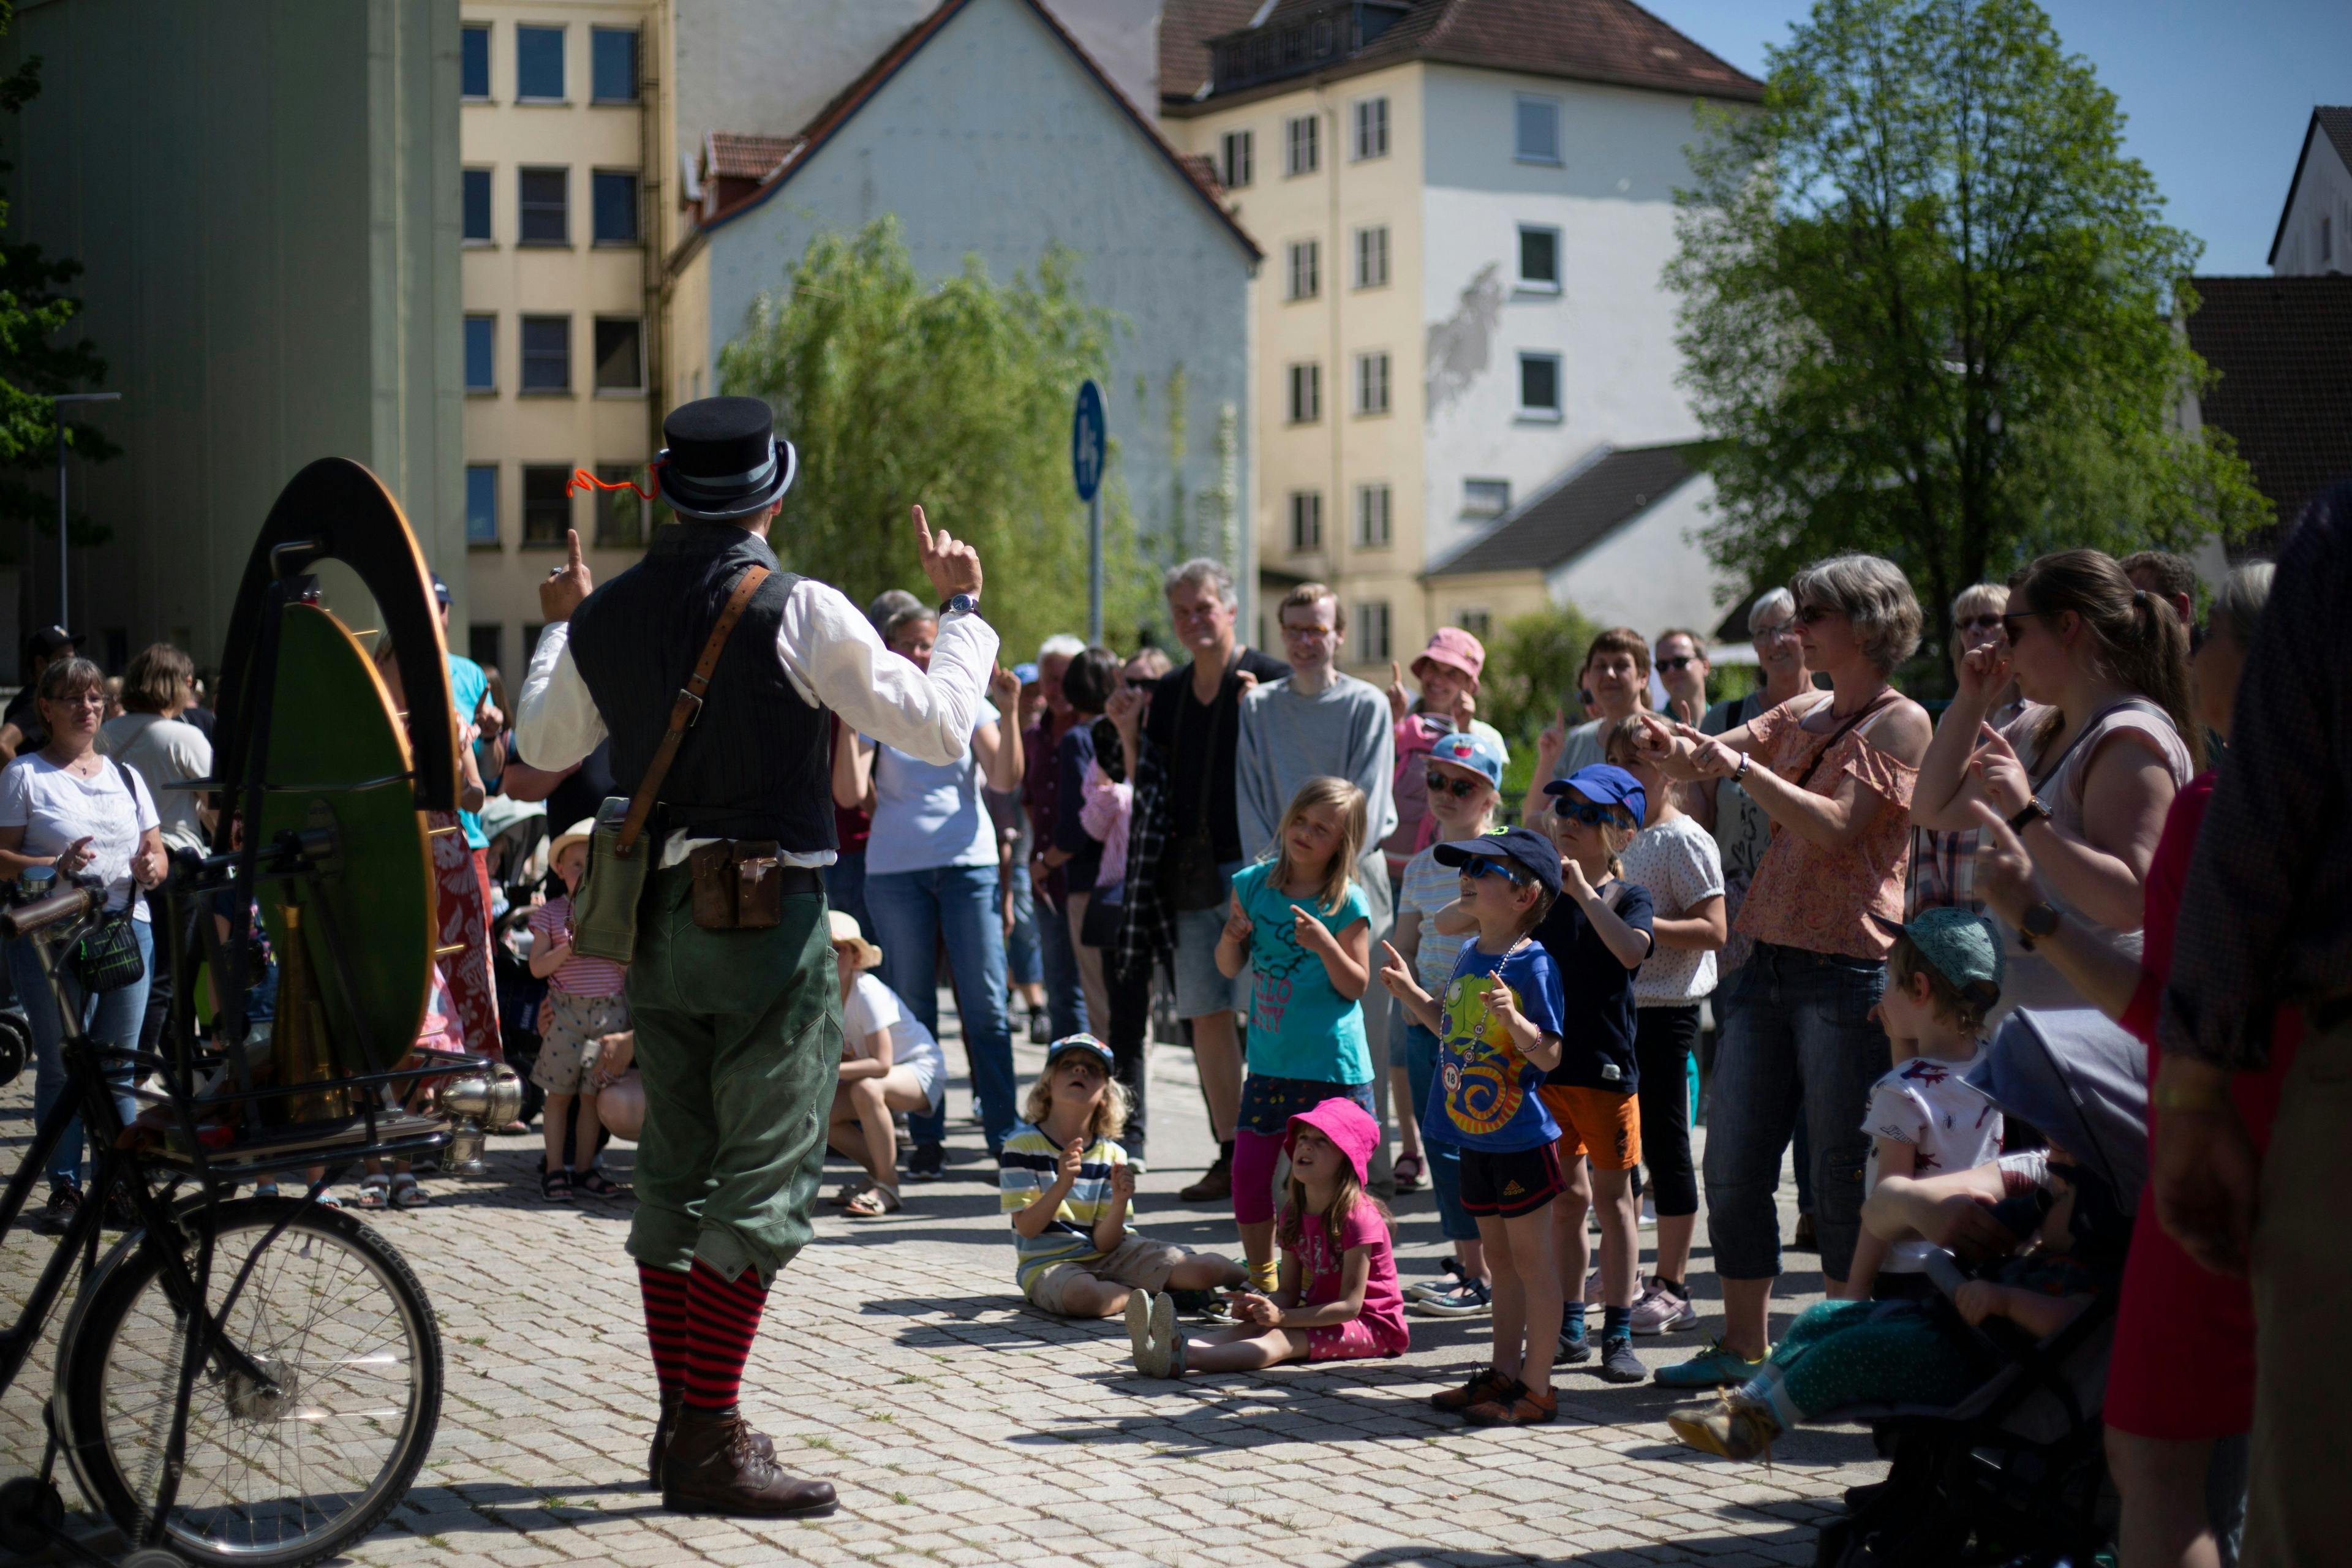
1067 1184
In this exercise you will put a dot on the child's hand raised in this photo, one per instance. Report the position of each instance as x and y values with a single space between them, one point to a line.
1072 1159
1312 934
1122 1181
1574 881
1501 1008
1237 924
1397 975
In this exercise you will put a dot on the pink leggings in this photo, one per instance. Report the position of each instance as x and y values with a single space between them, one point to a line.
1255 1156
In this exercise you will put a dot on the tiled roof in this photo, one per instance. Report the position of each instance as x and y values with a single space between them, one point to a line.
1574 511
1611 41
2283 346
734 155
2338 123
854 97
2327 123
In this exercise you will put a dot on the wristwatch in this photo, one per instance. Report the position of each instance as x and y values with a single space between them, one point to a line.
961 605
1741 770
2039 921
2034 811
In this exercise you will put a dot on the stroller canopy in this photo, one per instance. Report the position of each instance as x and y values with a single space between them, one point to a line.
2077 1076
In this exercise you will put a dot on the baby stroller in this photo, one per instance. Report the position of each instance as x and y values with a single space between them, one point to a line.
2015 1473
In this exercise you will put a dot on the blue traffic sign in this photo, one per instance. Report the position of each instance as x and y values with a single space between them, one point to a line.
1087 429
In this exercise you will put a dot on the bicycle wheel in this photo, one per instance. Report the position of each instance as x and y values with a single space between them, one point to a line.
273 1476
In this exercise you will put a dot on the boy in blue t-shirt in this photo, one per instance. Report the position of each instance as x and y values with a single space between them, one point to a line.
1499 1032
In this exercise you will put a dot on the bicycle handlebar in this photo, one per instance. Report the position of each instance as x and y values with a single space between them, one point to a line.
41 914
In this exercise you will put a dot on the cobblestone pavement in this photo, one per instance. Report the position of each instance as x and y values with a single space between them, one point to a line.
961 1428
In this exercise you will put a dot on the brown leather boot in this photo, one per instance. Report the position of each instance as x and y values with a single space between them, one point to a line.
672 1401
715 1464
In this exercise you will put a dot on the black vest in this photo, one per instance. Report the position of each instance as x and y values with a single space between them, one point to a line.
757 764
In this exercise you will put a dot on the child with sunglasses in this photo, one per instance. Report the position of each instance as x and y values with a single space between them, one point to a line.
1464 777
1498 1020
1598 933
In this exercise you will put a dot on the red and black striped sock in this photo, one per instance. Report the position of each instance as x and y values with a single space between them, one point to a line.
722 1319
664 1291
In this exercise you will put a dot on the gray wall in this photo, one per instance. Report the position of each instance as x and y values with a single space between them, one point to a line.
995 140
767 68
265 197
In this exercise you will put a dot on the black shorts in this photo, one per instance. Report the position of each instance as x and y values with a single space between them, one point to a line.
1510 1184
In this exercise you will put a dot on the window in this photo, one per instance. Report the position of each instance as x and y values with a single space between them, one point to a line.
1306 269
1478 623
546 510
474 62
1373 631
1539 258
1539 387
477 207
620 514
1301 146
482 505
1371 128
481 354
1306 521
614 197
1372 383
544 209
1374 504
1239 166
1306 394
530 630
1536 130
1372 257
539 64
620 354
482 639
612 65
547 353
1485 497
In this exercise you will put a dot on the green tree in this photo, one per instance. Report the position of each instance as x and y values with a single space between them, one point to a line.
956 395
1531 669
32 306
1928 308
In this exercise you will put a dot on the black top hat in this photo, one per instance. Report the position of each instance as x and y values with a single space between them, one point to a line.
723 460
50 641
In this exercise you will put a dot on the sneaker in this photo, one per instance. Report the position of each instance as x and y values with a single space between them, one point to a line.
119 1214
1041 1029
1714 1368
1470 1298
1734 1428
926 1163
1804 1240
1617 1361
1660 1312
1216 1185
64 1203
1575 1345
1206 1306
1521 1409
1485 1384
1648 1218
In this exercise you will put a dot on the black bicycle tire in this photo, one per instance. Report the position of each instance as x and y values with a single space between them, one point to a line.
122 1287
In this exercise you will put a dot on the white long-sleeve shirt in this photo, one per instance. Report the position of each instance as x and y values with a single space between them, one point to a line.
831 656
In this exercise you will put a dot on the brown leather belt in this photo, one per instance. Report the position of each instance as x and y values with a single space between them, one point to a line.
791 880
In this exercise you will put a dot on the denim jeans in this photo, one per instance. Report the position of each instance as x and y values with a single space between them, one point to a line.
1798 1042
1443 1160
1065 995
844 889
110 1018
914 911
1022 965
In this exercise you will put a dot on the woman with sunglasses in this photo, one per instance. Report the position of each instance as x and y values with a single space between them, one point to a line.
1835 772
2085 774
1943 865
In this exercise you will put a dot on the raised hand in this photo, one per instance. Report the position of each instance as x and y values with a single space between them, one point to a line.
1397 975
952 566
1465 707
73 858
1712 759
1551 742
1122 1181
560 591
488 722
1237 924
1004 690
1999 773
1244 682
1400 702
1574 881
1500 1007
1125 710
1310 934
1661 743
1072 1158
1983 673
2004 868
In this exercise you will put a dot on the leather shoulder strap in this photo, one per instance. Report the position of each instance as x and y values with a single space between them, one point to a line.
687 709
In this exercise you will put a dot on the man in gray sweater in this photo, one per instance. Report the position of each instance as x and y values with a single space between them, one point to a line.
1318 721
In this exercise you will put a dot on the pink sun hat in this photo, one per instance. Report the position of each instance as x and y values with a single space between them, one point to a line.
1456 649
1343 1122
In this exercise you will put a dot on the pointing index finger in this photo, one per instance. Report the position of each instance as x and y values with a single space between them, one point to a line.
572 543
922 530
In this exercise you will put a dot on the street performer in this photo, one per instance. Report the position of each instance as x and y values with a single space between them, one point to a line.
738 1030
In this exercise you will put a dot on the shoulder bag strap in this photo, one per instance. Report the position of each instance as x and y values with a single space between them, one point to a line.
687 709
1889 695
2100 717
131 789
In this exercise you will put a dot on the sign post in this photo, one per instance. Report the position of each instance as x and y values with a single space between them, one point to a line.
1086 445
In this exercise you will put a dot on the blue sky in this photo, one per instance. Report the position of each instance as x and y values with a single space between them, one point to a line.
2216 92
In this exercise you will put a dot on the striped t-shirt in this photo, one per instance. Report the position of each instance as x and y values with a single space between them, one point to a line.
576 977
1028 1166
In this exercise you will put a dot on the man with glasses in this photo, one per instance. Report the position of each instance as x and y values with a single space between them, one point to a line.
1680 659
1316 723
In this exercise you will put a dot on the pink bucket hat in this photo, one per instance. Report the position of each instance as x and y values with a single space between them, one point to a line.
1344 1122
1456 649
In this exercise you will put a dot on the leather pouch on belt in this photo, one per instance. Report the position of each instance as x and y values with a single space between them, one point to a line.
736 885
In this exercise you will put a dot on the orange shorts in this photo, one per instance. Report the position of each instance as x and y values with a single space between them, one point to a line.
1598 1124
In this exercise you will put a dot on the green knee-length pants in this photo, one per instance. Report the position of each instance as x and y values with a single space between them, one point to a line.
739 1040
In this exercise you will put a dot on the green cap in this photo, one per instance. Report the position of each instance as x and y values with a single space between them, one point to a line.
1962 947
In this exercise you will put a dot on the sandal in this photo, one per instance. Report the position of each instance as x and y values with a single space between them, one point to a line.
406 1193
846 1193
555 1186
1408 1172
328 1199
877 1202
597 1184
375 1190
265 1189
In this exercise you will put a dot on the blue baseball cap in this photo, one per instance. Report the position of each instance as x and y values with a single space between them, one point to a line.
1087 1043
1027 674
1521 847
1605 784
1469 749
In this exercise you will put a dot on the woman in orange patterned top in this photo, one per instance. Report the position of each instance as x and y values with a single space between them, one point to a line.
1834 772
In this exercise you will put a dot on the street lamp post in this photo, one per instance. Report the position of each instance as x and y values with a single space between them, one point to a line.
60 400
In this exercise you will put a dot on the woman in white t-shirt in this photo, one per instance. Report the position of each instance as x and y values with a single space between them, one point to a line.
890 1062
67 807
930 879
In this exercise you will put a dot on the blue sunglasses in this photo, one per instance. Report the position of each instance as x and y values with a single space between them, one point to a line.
1481 868
1585 812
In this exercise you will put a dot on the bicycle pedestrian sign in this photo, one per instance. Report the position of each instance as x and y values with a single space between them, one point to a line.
1086 431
